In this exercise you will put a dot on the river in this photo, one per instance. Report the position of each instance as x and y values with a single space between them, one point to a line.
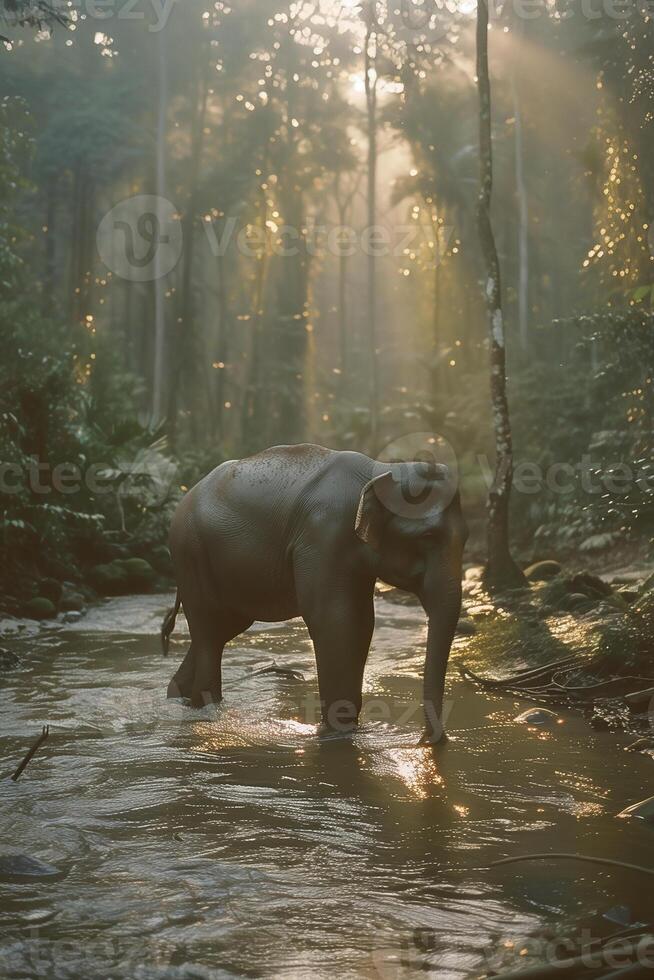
231 842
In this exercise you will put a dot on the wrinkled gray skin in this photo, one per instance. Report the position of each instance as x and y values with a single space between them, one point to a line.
306 531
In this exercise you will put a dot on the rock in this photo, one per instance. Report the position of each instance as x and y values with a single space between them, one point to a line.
474 574
639 811
72 616
39 608
628 594
537 716
578 591
109 579
543 571
8 659
542 717
591 585
139 572
16 867
71 602
620 915
123 576
50 589
465 627
576 601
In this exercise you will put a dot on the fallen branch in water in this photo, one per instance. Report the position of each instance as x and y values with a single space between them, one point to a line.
529 674
636 698
37 744
574 857
614 688
547 685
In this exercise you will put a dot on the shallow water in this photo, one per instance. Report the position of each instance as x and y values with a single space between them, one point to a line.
231 842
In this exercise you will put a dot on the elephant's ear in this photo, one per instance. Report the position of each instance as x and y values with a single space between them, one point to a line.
372 515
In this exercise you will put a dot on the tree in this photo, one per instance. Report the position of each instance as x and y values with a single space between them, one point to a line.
344 197
501 570
523 207
158 372
38 14
370 84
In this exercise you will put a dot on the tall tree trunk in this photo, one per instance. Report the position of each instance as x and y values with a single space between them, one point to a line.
253 388
83 231
437 379
291 323
523 216
370 82
342 302
222 343
158 378
74 285
50 245
501 570
344 203
184 345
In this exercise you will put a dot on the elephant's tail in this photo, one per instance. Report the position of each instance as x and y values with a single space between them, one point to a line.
168 624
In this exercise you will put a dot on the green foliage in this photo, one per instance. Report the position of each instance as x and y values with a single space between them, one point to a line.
76 463
594 413
39 14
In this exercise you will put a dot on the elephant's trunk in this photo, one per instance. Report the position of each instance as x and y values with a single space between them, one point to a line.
443 608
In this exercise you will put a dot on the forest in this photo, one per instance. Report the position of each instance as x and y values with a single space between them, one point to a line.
255 130
417 230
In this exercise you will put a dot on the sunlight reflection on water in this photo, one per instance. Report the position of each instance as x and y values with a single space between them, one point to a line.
232 841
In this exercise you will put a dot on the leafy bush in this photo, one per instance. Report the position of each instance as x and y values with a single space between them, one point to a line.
596 413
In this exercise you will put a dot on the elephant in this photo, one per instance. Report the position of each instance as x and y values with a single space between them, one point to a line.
301 530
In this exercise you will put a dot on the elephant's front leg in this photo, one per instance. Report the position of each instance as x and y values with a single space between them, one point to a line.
341 626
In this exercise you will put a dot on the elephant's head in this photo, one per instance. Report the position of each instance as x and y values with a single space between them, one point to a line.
410 514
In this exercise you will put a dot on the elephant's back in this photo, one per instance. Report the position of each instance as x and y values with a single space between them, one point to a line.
259 492
237 523
282 467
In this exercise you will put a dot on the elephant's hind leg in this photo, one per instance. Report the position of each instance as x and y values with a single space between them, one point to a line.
210 630
182 680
